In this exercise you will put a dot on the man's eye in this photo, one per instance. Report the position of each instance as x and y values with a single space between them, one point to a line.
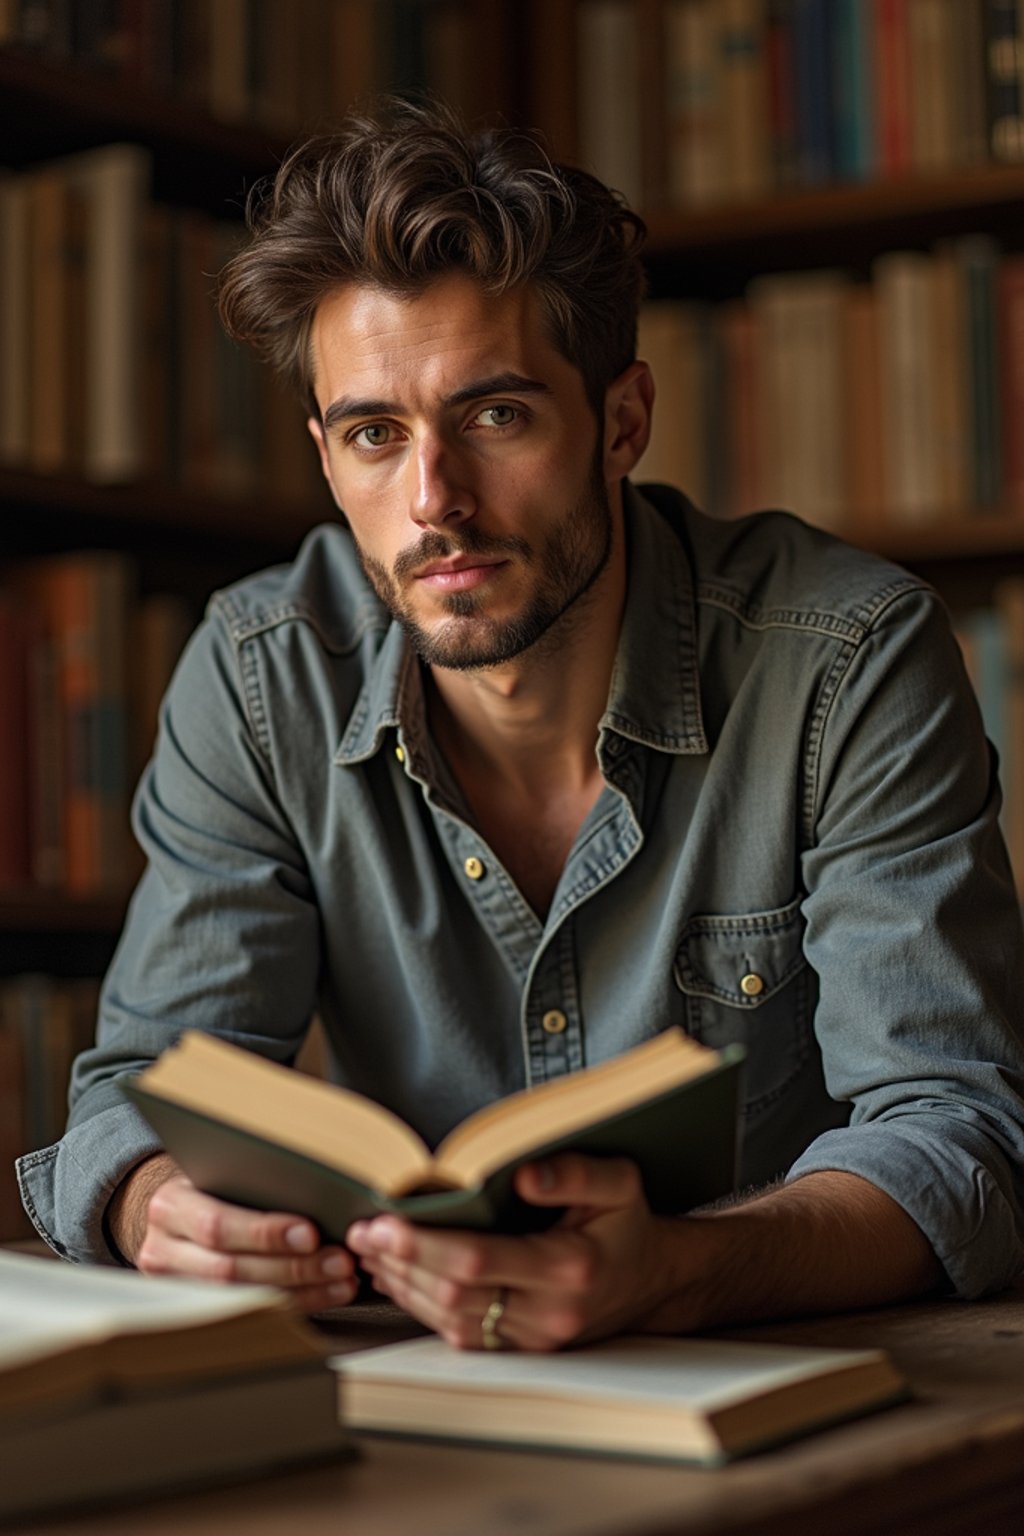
376 435
498 415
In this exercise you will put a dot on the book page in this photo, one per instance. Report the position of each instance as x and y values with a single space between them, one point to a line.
335 1126
495 1135
47 1304
701 1374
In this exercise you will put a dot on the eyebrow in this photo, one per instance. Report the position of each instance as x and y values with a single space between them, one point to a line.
348 406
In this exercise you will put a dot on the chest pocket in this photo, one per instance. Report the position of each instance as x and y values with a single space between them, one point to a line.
745 980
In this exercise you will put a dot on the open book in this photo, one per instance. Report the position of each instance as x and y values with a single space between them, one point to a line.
264 1135
699 1400
114 1383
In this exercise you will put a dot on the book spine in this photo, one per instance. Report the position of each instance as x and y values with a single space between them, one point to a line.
1010 325
905 293
782 93
609 117
892 95
813 53
15 851
742 49
852 94
1004 43
979 261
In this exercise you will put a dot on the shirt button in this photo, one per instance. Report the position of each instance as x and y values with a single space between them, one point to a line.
752 985
554 1022
474 868
400 754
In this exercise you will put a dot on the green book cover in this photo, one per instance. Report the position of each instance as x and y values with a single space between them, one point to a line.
683 1137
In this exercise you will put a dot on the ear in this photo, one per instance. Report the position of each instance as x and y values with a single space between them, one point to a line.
628 403
316 432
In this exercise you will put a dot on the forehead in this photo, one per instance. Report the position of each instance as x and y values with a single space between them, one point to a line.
433 341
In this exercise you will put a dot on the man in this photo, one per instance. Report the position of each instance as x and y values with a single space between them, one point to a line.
530 765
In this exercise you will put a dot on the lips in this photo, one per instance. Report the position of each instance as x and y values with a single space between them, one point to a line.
458 575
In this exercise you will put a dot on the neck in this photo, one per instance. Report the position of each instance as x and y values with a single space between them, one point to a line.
532 723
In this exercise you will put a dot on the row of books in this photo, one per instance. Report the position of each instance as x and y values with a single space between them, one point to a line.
84 661
114 364
760 95
281 64
44 1022
855 404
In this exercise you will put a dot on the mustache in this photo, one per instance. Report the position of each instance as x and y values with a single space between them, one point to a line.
470 541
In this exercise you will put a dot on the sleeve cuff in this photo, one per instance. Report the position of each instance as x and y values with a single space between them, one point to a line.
66 1188
960 1195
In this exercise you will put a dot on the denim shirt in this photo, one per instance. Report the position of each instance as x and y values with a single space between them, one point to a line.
797 790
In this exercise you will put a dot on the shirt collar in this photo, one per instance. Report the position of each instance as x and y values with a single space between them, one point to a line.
654 696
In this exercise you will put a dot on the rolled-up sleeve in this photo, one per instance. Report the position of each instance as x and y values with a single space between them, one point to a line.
222 934
914 930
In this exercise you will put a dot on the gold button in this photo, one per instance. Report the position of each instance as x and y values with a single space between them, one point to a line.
400 754
554 1022
474 868
752 985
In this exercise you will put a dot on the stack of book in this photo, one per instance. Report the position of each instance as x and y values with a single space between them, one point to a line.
83 661
861 406
115 367
276 63
754 96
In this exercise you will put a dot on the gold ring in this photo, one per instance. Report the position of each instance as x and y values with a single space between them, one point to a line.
489 1335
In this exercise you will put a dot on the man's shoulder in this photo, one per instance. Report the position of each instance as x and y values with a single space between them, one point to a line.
773 567
323 588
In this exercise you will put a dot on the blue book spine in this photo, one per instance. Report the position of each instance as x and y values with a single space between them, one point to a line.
813 56
852 91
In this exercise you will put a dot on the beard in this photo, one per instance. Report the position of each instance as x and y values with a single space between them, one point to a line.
467 639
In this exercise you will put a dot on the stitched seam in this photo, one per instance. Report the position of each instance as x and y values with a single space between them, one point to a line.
243 627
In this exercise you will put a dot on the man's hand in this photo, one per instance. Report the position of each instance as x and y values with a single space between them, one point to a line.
827 1242
606 1267
165 1226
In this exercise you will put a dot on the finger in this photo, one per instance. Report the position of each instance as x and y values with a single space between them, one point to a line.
330 1270
571 1179
183 1211
453 1269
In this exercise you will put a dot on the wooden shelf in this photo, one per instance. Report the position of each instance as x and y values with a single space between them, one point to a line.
713 252
50 109
981 536
259 522
980 190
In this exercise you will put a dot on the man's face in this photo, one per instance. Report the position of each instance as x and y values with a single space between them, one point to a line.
461 446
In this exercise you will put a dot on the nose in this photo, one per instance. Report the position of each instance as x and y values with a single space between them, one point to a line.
442 490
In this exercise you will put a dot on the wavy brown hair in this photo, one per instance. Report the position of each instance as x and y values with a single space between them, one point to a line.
402 194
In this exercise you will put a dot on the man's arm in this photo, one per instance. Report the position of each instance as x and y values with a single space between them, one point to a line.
827 1242
162 1224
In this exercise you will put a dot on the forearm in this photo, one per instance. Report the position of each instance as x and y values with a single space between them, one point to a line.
825 1243
127 1212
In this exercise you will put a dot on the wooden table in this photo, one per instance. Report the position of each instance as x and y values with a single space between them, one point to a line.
952 1460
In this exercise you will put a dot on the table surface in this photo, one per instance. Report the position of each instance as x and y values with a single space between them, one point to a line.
950 1460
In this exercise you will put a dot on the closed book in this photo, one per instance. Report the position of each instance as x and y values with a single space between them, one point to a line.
669 341
906 321
15 845
13 1221
862 412
705 1401
979 258
1010 323
608 70
932 84
782 102
893 85
15 325
695 114
263 1135
114 184
952 393
853 104
741 395
1004 53
799 318
970 83
1008 598
812 39
742 44
115 1385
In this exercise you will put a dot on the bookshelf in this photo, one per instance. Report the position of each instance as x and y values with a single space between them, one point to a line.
209 132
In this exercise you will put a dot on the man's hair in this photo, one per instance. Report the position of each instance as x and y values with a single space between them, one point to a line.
403 194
